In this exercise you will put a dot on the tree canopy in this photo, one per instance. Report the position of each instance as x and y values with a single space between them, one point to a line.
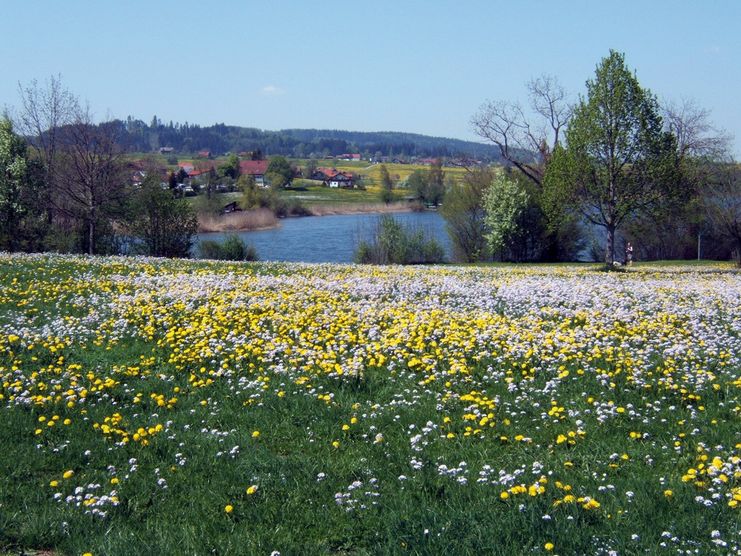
279 172
618 160
13 182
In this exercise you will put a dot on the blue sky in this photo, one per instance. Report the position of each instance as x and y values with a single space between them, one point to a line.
416 66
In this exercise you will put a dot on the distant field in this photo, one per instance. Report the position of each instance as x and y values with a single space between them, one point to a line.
318 194
311 194
370 173
154 406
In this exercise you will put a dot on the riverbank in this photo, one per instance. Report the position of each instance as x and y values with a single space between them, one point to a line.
265 219
242 221
363 208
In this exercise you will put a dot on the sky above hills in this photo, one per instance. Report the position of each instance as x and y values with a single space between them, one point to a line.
415 66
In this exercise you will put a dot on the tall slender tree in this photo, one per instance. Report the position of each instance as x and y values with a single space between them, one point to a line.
387 186
618 160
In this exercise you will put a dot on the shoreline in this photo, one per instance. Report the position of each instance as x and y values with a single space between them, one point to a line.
259 219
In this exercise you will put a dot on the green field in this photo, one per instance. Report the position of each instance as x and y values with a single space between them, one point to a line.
310 193
154 406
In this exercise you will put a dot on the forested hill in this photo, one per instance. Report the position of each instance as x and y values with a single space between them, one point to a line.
390 143
136 135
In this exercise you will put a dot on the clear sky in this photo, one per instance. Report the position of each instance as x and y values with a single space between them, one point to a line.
415 66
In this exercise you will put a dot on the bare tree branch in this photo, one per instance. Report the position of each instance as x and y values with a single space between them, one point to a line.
695 135
526 142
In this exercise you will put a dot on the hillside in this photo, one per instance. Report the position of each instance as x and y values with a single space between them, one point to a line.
137 136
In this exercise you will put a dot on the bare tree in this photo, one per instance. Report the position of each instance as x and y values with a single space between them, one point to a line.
91 174
700 148
723 202
696 136
45 111
527 141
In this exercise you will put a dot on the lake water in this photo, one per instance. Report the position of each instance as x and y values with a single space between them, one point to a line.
330 239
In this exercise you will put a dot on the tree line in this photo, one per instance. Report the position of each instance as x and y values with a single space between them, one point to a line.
138 136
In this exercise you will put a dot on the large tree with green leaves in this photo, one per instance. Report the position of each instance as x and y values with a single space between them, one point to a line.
13 183
618 161
279 172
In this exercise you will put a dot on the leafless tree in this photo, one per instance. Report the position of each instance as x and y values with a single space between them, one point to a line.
527 140
44 112
722 201
91 174
696 136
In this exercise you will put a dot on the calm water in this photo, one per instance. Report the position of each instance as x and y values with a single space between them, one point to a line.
330 239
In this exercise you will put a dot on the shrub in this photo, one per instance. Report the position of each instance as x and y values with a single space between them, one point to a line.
232 249
165 225
393 243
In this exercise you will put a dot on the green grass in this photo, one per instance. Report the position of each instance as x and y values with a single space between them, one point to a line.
256 347
317 194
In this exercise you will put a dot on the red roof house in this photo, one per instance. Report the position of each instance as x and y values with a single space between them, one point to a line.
254 168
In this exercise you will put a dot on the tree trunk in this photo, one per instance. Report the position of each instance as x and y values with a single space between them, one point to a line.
91 237
610 248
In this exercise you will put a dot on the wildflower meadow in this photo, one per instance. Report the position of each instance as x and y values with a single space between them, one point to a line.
176 407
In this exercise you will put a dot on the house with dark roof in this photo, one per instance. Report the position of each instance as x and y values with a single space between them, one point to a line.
334 178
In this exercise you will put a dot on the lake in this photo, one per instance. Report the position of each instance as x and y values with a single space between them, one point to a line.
330 239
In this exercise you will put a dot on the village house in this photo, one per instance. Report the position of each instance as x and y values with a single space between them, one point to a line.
256 169
348 156
187 167
334 178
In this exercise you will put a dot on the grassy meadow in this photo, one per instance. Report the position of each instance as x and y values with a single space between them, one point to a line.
189 407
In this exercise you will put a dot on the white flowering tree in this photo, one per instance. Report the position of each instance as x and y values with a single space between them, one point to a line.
504 202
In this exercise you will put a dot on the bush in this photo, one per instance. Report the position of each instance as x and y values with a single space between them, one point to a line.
164 224
232 249
395 244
